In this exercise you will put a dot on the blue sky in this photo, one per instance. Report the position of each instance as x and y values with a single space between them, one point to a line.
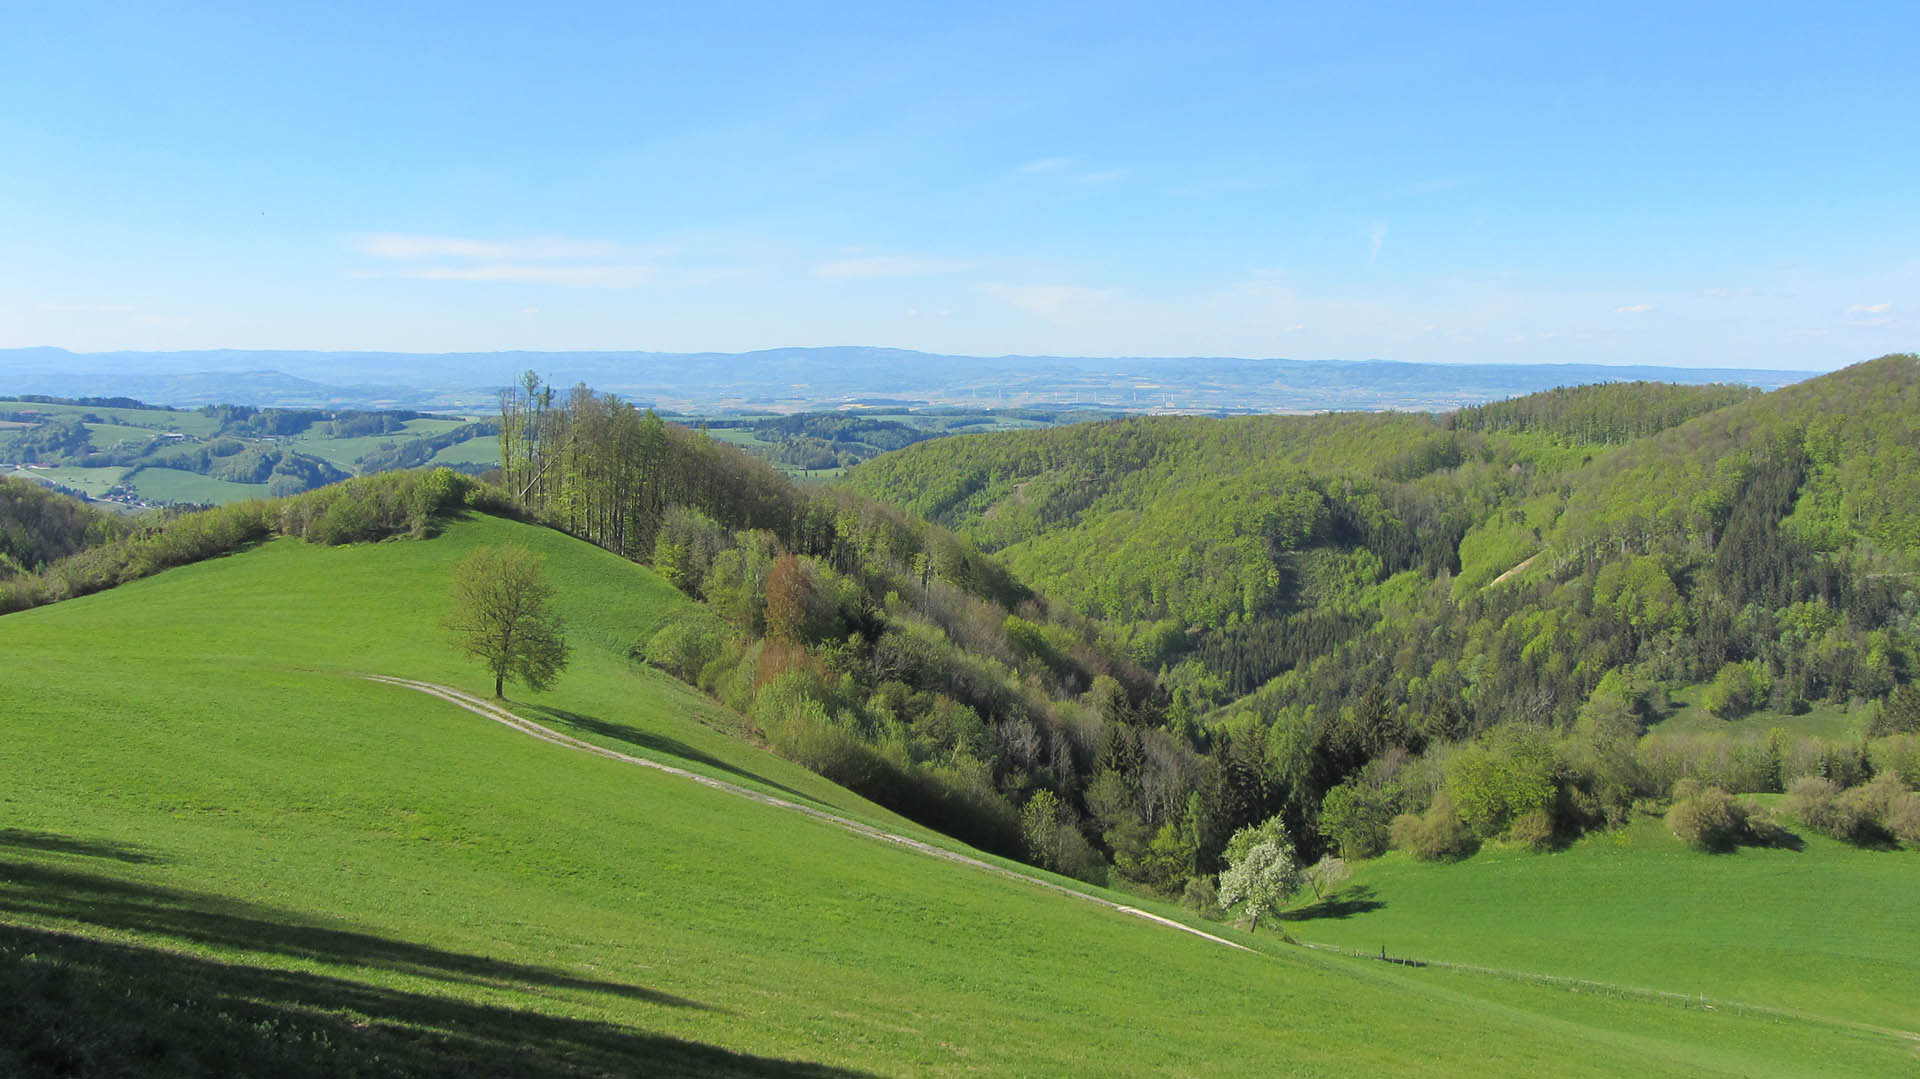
1701 185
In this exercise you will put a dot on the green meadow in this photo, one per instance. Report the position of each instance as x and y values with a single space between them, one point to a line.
1818 928
223 850
342 453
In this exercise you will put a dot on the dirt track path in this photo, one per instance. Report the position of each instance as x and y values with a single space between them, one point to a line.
483 707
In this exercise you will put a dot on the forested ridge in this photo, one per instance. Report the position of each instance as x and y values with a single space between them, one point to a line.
1475 618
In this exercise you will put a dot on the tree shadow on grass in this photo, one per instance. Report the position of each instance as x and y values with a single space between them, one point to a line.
661 744
41 891
1344 903
75 1006
21 838
70 1005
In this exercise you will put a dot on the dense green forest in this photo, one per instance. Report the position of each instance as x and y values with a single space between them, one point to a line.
824 441
39 527
1474 619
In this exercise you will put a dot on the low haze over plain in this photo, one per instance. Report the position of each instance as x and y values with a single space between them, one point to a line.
1672 184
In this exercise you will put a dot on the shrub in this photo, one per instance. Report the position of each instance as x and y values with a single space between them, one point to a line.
1876 799
1202 896
1903 819
1436 835
1818 804
1355 816
1509 774
1899 754
1533 829
684 647
1709 819
1739 688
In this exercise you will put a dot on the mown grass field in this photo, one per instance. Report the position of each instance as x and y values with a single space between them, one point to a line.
222 850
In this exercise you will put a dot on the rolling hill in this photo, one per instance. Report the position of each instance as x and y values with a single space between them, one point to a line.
225 849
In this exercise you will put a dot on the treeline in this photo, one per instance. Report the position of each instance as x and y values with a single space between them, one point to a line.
89 402
356 511
246 421
885 652
1614 413
417 452
39 526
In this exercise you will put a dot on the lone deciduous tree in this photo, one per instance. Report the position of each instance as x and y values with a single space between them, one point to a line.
500 616
1261 870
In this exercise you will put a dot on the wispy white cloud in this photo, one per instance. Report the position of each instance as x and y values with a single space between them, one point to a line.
873 266
545 260
1072 170
1633 309
88 308
403 246
1048 299
1376 239
1048 165
601 276
1869 309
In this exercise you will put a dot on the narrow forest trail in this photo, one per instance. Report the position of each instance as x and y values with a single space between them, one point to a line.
1515 571
491 710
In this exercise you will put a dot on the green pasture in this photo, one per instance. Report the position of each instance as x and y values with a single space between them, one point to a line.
1818 928
179 485
474 451
221 850
94 481
343 453
106 435
147 420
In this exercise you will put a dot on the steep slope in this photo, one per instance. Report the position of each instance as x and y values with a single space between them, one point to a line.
225 850
1332 594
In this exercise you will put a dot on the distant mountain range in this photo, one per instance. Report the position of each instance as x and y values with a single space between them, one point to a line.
800 379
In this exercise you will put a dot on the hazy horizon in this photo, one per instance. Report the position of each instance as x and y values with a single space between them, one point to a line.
1516 185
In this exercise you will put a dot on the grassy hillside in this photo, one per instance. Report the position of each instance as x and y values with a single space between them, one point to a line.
1825 929
224 851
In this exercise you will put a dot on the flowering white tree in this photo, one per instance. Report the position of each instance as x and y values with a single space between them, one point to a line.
1261 870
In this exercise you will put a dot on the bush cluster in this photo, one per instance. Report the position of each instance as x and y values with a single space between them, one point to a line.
360 510
1436 835
1878 811
1707 817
